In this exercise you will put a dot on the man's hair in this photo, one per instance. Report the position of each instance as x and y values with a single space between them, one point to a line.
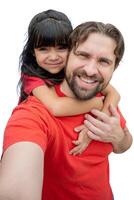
82 31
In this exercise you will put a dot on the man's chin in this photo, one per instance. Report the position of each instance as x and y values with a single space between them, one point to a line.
84 94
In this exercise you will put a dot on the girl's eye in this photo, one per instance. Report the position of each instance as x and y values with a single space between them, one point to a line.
61 48
42 49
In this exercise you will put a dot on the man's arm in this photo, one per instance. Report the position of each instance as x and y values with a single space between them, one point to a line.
21 172
106 128
124 144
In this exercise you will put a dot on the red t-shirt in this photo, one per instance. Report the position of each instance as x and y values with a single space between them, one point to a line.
32 82
67 177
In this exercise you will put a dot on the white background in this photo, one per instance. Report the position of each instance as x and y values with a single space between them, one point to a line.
14 19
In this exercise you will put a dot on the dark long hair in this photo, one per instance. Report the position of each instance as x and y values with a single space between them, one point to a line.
48 28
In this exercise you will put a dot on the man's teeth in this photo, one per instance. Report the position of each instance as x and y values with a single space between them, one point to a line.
87 80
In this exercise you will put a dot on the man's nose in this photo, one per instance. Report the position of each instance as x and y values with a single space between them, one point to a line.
91 68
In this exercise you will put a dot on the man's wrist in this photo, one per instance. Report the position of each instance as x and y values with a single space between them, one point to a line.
124 144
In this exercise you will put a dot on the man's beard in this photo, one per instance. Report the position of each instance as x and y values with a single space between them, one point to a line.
80 92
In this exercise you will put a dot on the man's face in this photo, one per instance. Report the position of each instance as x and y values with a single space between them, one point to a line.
90 69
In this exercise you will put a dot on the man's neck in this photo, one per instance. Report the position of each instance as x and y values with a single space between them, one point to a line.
66 89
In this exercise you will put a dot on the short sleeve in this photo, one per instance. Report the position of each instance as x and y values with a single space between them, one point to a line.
26 125
31 82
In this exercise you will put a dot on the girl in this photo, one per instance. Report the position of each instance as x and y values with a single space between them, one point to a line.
42 65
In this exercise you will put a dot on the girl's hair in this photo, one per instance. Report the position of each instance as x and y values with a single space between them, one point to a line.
49 28
82 32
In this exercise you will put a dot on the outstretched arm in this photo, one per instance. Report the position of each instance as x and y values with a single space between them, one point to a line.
65 106
21 172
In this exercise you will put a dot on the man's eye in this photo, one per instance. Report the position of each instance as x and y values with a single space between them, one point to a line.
104 62
83 55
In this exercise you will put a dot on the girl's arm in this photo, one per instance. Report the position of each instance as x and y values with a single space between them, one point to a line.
111 97
65 106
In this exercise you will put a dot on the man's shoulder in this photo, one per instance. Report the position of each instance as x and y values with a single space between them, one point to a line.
29 122
32 108
32 102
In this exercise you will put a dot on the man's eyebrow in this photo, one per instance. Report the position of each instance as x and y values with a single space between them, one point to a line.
85 53
82 52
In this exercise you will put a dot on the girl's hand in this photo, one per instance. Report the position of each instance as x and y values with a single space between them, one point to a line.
82 142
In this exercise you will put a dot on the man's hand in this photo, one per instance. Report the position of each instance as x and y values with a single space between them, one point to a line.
106 128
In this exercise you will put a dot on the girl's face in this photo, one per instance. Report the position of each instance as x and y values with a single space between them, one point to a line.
52 59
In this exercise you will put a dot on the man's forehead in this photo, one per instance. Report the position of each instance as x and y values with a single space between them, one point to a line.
97 43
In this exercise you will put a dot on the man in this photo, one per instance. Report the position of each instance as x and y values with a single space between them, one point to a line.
36 163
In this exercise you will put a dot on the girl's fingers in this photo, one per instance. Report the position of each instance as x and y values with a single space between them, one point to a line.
81 137
75 150
79 128
82 142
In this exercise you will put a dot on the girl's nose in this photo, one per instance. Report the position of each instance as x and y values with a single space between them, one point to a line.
53 55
